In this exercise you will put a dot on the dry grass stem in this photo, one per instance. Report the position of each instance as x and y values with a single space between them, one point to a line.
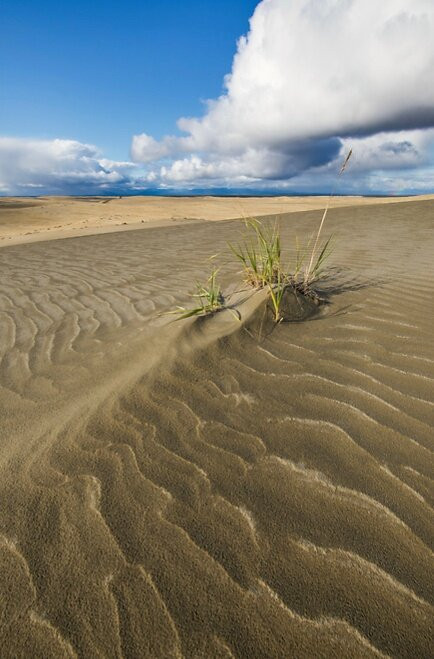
309 269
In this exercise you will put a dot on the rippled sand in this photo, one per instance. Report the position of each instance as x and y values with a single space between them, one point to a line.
190 490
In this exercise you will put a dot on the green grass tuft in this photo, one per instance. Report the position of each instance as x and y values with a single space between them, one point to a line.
209 296
260 255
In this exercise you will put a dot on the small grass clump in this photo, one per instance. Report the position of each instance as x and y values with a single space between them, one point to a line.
303 279
260 254
209 296
261 257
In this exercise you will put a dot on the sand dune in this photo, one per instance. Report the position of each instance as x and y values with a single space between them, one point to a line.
24 220
188 490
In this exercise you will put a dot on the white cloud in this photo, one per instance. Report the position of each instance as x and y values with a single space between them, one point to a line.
145 148
309 77
59 166
391 151
377 158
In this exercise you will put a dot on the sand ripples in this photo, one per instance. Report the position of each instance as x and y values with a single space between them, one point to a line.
250 498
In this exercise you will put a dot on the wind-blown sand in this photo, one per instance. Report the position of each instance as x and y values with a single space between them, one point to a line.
188 490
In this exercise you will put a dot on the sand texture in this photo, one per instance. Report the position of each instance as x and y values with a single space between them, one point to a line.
24 219
193 490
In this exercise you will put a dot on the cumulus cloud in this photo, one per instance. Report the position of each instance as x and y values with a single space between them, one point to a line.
391 151
58 166
309 77
145 148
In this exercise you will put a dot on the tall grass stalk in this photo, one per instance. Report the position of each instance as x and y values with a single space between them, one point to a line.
309 276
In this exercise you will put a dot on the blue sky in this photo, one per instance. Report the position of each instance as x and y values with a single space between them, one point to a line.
235 94
99 72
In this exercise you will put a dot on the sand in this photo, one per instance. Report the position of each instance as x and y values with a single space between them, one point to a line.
187 490
24 219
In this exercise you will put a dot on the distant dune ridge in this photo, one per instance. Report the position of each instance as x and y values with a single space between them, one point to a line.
30 219
177 490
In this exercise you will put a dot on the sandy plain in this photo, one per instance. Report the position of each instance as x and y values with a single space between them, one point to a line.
25 219
194 490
